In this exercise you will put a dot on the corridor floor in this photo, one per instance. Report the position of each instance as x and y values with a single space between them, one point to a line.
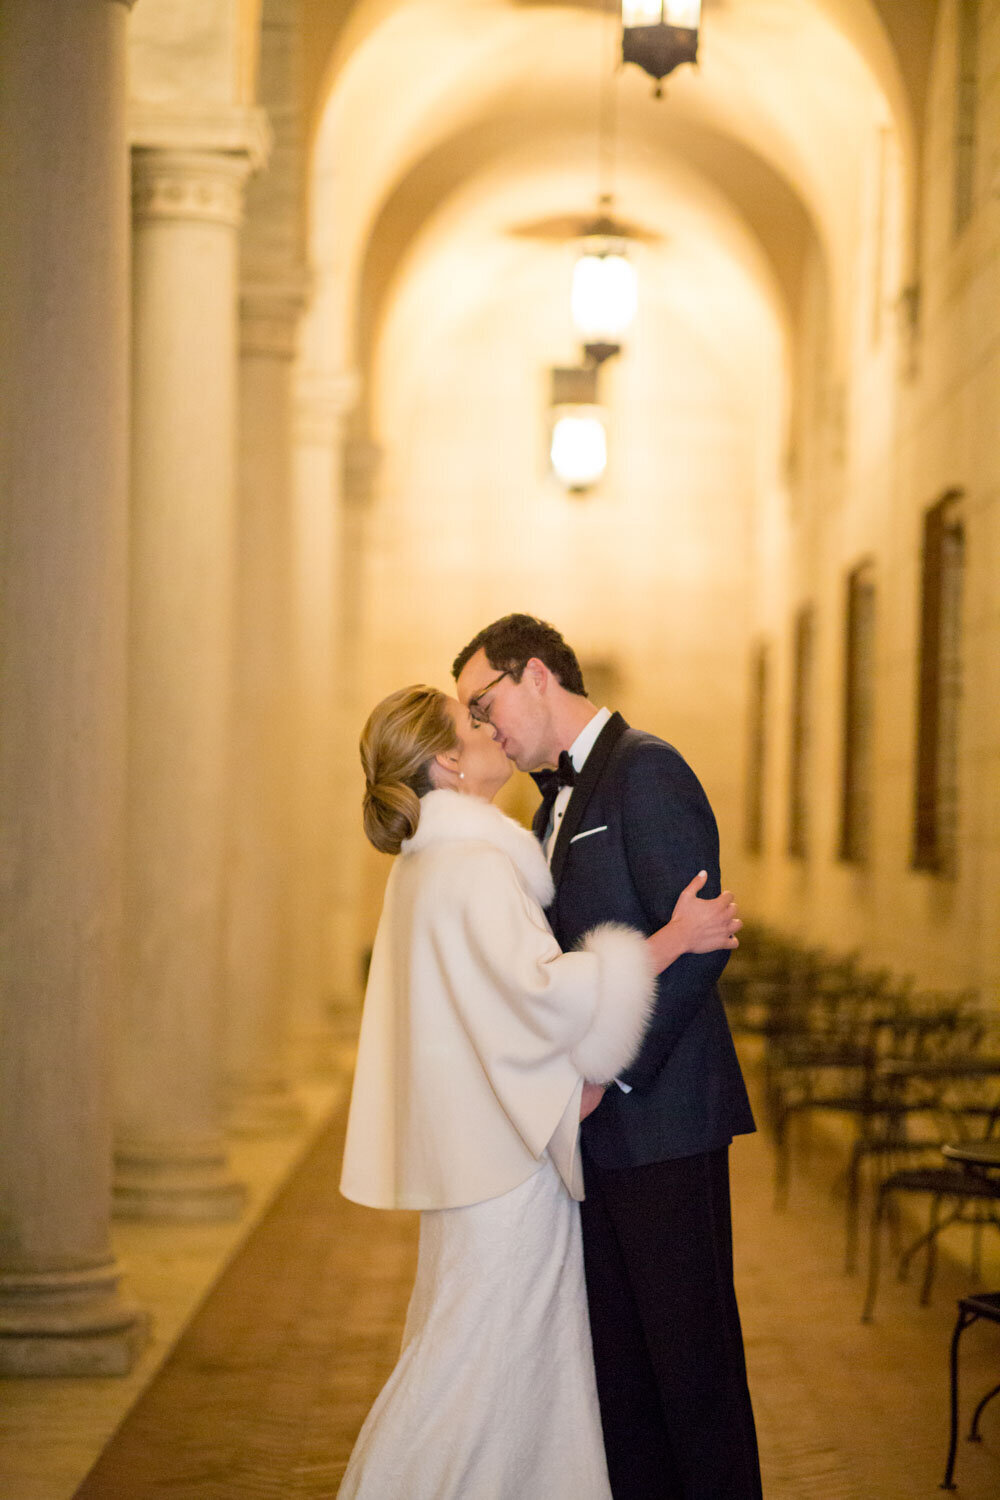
264 1393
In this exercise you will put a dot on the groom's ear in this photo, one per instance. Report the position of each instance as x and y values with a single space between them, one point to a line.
537 674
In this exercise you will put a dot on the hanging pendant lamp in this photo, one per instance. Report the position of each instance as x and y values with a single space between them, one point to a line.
660 35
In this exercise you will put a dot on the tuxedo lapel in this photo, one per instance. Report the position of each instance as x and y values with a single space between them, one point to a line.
547 783
587 780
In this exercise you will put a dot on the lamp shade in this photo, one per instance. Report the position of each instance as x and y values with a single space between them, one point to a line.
579 447
604 292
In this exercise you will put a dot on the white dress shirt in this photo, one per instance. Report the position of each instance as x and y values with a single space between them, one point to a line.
578 752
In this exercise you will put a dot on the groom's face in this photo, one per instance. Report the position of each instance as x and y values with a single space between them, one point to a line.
516 710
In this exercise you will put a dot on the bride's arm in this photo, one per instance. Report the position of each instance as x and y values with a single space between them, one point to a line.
493 942
696 926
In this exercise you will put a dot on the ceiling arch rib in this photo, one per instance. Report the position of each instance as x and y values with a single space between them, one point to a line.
895 37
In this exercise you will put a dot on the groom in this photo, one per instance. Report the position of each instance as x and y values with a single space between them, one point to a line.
626 825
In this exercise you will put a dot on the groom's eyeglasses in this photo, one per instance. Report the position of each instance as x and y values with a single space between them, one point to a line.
479 710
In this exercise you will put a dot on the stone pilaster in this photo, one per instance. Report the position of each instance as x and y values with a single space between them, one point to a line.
263 891
187 209
261 842
63 573
360 460
325 977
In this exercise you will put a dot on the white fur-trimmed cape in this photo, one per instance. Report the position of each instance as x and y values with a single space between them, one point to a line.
625 1002
450 817
478 1031
628 985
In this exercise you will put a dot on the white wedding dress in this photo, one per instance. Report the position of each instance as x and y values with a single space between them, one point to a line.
493 1397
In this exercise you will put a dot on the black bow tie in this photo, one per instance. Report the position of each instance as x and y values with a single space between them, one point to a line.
549 783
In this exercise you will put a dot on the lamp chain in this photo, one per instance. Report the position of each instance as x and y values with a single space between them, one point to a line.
607 124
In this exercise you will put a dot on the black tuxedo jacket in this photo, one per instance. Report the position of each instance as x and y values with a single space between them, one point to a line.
637 829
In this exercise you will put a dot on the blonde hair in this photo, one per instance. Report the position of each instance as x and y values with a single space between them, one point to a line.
402 736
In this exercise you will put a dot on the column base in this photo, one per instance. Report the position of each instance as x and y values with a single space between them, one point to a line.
180 1183
68 1323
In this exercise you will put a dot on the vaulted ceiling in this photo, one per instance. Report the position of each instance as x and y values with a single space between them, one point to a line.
412 101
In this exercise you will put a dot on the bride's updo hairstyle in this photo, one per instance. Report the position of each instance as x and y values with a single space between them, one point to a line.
403 734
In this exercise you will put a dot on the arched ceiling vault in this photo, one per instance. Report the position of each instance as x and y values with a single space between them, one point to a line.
895 36
702 270
738 177
410 100
780 86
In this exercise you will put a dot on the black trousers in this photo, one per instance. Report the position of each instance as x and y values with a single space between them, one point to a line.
668 1347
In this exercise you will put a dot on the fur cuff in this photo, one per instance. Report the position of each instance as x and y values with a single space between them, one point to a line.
626 991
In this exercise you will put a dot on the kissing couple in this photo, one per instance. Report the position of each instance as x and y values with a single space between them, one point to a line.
545 1071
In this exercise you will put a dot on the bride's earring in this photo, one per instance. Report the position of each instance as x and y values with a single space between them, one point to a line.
461 775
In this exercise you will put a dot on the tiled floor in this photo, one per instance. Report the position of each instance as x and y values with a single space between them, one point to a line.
848 1411
264 1394
51 1431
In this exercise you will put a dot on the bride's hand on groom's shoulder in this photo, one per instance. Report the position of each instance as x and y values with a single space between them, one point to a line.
706 925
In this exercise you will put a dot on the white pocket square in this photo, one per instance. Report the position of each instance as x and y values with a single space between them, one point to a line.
587 832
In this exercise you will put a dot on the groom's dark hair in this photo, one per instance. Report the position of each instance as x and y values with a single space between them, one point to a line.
510 644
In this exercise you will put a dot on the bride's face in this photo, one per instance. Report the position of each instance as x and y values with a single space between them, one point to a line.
484 766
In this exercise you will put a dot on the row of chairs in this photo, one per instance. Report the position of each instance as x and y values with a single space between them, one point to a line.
911 1071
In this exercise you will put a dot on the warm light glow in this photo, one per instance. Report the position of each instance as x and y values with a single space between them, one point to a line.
579 449
642 12
686 13
604 296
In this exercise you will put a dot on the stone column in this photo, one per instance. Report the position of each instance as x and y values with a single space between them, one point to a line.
187 203
63 567
361 458
320 986
260 895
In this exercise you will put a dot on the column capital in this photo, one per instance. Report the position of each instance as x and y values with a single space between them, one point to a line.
177 184
322 402
270 308
229 130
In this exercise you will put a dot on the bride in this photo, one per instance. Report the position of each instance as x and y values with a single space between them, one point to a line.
481 1046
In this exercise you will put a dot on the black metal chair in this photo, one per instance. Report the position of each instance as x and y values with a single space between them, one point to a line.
823 1056
970 1310
973 1194
897 1112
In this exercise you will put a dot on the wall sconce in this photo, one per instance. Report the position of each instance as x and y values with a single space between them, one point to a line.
604 296
659 35
578 444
